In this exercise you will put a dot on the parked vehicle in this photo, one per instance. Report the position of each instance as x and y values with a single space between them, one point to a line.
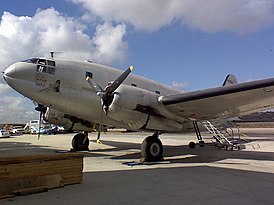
49 129
18 130
4 133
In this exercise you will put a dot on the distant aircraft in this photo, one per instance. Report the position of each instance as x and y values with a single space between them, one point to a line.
97 97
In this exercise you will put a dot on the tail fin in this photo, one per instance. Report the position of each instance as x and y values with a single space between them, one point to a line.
230 80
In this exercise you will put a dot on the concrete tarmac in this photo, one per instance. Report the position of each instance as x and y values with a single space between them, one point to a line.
205 175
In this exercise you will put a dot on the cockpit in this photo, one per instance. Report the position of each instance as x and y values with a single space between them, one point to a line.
43 65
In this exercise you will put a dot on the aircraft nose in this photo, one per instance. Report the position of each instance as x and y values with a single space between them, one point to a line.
10 72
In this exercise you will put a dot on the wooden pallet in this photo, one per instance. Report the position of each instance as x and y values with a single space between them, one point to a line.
20 175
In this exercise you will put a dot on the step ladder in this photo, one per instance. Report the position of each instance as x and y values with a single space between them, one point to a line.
224 139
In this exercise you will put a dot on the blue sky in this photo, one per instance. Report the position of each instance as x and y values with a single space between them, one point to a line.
190 44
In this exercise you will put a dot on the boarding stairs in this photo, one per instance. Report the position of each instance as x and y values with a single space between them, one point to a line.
223 138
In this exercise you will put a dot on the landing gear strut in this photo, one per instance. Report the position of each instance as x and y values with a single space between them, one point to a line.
80 142
152 148
199 137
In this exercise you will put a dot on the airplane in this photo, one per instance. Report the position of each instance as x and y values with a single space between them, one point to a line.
98 97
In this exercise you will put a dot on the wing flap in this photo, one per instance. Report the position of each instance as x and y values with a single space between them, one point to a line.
225 101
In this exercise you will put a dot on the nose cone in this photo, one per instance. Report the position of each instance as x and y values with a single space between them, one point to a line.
10 72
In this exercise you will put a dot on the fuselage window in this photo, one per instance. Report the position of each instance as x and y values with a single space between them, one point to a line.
89 74
134 85
157 92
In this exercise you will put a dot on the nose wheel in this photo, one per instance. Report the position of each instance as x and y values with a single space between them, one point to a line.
80 142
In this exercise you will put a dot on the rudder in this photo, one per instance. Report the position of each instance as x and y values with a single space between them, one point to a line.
230 80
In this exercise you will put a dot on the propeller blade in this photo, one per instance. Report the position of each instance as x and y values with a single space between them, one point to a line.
94 85
118 81
107 95
100 126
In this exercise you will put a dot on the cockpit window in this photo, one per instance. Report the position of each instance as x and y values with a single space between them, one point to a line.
32 60
51 67
43 65
42 61
51 63
41 68
51 70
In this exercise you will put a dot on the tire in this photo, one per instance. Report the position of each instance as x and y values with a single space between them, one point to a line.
79 142
152 149
192 145
201 143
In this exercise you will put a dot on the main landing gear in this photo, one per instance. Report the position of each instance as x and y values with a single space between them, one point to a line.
152 148
80 142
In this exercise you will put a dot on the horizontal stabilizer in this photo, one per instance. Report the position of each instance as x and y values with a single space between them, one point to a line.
230 80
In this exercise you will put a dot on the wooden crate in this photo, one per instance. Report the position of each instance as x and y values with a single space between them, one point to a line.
21 175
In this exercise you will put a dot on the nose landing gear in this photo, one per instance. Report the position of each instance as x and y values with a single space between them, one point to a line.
80 142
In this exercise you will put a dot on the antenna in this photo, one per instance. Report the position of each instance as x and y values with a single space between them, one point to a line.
54 52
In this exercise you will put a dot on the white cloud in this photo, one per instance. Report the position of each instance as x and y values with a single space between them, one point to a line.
239 16
13 110
48 30
114 48
4 88
180 85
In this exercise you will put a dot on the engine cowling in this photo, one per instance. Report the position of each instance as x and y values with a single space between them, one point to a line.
70 123
136 107
124 106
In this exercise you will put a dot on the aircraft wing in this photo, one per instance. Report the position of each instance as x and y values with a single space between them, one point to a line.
220 102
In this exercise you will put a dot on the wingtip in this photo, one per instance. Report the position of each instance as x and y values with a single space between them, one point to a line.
131 67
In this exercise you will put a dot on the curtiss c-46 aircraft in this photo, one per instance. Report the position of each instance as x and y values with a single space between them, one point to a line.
94 96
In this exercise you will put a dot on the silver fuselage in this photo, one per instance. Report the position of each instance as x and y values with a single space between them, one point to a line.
63 87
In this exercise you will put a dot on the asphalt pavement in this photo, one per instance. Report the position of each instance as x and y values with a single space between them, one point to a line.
205 175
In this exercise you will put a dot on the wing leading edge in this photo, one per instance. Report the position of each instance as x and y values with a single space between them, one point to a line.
225 101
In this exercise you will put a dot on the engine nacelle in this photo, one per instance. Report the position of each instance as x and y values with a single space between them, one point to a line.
70 123
124 106
135 107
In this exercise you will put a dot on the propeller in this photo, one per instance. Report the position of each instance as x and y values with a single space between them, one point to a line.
42 109
107 94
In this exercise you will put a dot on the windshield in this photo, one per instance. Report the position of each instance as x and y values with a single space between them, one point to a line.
43 65
31 60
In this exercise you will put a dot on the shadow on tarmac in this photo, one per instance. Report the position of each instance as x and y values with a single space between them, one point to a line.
165 185
188 185
206 154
